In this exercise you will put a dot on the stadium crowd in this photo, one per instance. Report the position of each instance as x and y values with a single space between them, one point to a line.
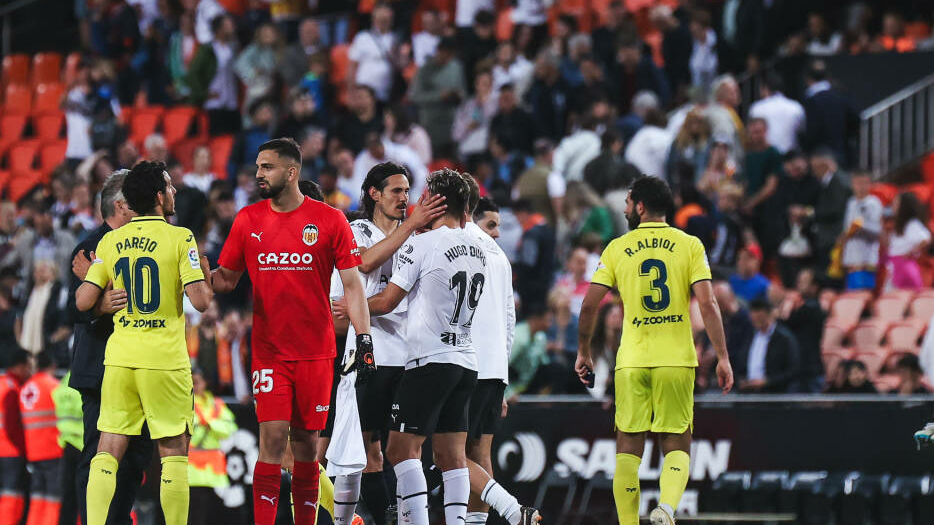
554 109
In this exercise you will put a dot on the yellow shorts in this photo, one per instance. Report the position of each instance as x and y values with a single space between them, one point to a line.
658 399
161 398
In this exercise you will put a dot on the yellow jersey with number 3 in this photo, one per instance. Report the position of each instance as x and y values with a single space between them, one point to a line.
153 261
653 267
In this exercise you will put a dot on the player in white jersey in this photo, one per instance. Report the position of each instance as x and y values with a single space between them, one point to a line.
379 234
441 272
492 332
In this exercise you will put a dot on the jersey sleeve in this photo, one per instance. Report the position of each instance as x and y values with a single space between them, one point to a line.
606 268
97 273
346 253
700 268
232 253
189 262
407 269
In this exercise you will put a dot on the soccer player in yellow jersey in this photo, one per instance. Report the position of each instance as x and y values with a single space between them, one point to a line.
147 375
655 268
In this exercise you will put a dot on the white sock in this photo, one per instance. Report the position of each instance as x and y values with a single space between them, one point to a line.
456 493
667 508
504 503
346 494
476 518
413 492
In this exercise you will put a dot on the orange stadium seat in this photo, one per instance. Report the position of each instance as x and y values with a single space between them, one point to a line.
874 360
51 155
11 129
339 64
72 65
848 308
143 122
833 338
17 99
922 307
21 183
46 68
48 97
869 334
48 126
184 149
905 335
16 69
891 306
22 155
221 146
176 123
4 178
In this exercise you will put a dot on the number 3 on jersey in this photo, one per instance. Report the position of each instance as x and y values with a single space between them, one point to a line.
660 297
262 380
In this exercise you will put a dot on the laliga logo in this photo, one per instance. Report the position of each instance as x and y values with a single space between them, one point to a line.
533 455
242 451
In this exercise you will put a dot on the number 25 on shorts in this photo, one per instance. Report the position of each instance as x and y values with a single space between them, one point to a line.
262 380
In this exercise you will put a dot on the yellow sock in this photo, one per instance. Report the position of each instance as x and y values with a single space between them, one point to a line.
674 477
173 490
102 481
325 491
626 488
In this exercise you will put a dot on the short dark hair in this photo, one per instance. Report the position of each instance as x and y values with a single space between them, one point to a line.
284 147
142 184
474 197
484 17
909 361
450 184
760 305
18 357
772 81
522 205
310 189
43 360
653 193
484 205
216 23
376 178
793 154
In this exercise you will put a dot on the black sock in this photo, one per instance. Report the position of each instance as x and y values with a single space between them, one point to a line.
375 495
433 477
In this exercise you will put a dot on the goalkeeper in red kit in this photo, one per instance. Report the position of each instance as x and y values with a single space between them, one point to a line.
290 244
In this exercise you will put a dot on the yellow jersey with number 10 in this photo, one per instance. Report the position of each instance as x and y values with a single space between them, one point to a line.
653 267
153 261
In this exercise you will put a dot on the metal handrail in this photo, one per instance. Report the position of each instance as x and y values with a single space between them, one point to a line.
897 97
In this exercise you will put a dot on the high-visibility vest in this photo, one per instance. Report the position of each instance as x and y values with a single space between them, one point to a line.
12 442
39 421
69 414
214 422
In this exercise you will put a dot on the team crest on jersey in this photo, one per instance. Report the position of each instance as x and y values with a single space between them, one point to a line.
310 234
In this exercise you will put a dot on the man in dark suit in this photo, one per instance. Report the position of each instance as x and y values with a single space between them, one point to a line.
87 370
830 209
830 117
769 361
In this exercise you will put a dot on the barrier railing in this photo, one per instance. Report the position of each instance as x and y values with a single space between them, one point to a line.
898 129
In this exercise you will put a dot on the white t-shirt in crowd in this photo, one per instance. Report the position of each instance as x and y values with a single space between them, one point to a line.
862 250
914 235
466 10
494 323
785 119
444 272
371 51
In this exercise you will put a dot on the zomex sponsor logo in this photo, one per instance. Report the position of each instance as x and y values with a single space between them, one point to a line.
284 261
657 319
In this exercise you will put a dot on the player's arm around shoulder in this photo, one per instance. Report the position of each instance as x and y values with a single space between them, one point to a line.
96 280
194 272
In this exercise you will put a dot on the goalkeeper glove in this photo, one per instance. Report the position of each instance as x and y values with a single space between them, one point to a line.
365 362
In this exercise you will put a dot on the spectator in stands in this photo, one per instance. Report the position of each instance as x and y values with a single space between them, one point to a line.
312 143
41 325
379 150
295 58
425 42
155 148
529 350
373 54
854 379
562 334
256 65
575 280
476 43
728 237
512 69
829 116
576 150
723 113
9 322
203 343
333 196
910 376
690 147
508 164
801 312
190 203
547 98
635 71
585 215
785 117
534 266
206 12
211 77
703 62
619 25
747 283
512 124
677 46
466 12
343 161
437 90
830 209
737 327
127 155
115 35
861 229
183 46
893 37
248 141
399 127
604 346
743 31
761 170
769 362
907 243
302 117
245 190
608 170
41 241
532 185
821 40
201 176
471 129
642 103
362 116
648 149
82 218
